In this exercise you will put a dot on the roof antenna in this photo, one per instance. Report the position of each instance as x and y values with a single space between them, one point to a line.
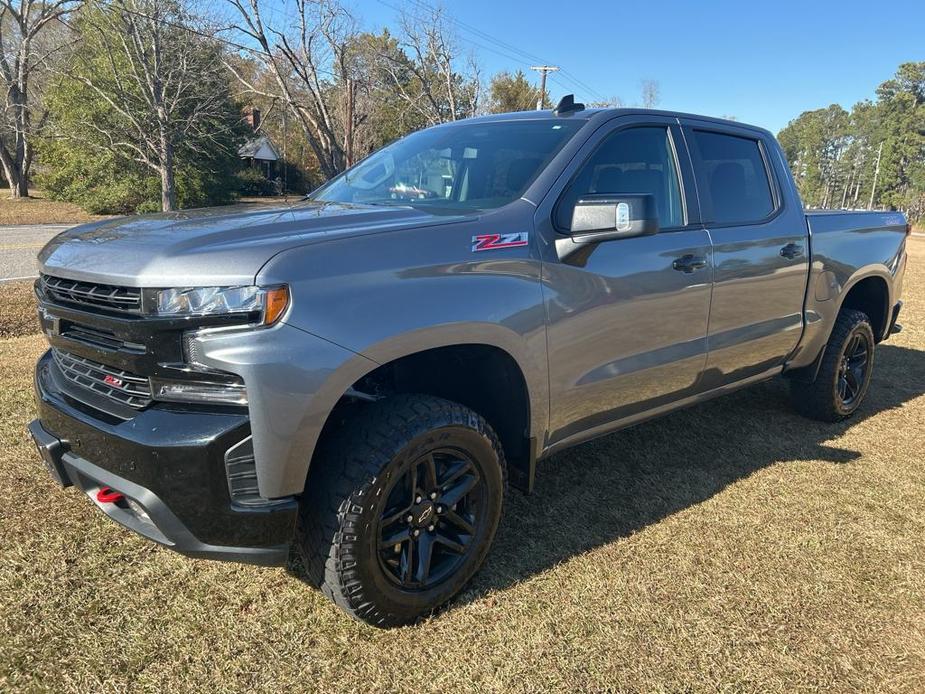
567 105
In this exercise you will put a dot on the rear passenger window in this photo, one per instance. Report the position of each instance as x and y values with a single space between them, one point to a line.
733 179
633 161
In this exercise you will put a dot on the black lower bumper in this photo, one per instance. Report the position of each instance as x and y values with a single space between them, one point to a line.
166 470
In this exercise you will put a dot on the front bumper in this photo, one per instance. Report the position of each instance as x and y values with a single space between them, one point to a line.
170 466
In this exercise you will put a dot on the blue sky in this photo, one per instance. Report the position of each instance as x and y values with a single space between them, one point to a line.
763 63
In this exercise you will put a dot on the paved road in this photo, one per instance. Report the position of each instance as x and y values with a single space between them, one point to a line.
20 244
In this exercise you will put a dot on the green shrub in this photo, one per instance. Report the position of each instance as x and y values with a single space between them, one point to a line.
251 182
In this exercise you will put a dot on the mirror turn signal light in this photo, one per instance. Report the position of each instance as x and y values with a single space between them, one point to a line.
275 303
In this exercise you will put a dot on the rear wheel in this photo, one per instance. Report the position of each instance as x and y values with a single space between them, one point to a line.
844 374
403 508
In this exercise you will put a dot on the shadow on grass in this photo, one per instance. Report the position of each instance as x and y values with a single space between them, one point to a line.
619 484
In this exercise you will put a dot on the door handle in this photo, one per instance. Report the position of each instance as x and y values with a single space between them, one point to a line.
791 251
688 263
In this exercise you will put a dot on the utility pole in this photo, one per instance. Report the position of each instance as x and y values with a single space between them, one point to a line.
543 70
873 188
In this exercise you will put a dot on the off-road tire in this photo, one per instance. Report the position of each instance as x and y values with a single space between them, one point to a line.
820 399
352 472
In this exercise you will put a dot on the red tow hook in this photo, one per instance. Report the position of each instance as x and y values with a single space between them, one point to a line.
106 495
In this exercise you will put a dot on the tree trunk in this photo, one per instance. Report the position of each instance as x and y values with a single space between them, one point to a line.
12 171
19 189
168 186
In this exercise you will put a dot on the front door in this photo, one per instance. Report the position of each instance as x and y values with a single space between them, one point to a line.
760 253
627 320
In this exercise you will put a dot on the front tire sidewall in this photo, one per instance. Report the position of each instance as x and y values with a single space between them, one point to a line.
390 597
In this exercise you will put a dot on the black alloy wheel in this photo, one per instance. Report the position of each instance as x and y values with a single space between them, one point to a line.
430 519
852 370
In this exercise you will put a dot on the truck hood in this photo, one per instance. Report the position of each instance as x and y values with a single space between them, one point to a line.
215 246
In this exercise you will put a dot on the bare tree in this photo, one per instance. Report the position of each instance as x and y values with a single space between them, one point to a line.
329 76
612 102
23 55
444 88
163 83
651 93
307 61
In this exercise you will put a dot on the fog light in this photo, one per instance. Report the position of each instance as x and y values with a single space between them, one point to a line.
199 391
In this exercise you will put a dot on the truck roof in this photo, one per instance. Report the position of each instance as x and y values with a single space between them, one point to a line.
602 114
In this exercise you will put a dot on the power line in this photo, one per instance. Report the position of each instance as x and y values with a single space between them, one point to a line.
527 59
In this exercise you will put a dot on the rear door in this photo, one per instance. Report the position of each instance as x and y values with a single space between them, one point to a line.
760 252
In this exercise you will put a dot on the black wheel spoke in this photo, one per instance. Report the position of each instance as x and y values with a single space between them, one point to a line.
430 473
425 553
459 522
414 483
858 373
406 566
394 517
454 473
851 385
457 493
395 538
449 543
843 388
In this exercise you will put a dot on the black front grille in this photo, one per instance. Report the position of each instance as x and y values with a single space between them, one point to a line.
115 384
99 337
105 296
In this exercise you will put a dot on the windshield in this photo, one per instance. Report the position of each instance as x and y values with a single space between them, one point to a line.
472 166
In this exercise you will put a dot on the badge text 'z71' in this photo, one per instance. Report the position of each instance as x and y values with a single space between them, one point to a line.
494 242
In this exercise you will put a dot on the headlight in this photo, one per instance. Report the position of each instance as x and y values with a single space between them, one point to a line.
198 301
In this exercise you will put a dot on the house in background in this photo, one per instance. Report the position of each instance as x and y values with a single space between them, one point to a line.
259 151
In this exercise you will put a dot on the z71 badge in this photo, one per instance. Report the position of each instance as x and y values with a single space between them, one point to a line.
494 242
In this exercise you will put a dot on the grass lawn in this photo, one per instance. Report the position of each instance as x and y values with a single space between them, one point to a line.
37 209
732 546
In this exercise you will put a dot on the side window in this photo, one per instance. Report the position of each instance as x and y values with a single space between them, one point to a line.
733 178
637 160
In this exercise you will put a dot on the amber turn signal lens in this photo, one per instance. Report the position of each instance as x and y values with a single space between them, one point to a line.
276 301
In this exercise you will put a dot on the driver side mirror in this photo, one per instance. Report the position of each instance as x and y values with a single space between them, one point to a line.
603 217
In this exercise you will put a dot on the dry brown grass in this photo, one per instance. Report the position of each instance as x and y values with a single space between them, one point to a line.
37 209
733 546
17 317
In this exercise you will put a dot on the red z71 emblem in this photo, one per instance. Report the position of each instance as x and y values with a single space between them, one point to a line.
493 242
112 381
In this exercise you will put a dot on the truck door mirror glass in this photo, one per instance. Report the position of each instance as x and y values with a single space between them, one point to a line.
602 217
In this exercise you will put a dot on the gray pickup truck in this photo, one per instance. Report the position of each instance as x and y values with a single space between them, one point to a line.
361 373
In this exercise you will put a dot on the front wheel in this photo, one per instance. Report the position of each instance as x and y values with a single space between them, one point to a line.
844 374
403 508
